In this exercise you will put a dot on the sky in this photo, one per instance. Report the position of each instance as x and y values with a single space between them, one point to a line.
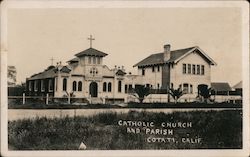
127 35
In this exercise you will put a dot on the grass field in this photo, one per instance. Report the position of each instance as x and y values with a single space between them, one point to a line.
217 129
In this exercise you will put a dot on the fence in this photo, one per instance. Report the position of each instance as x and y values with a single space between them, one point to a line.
152 98
24 98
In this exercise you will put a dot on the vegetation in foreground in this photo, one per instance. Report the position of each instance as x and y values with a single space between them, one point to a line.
218 129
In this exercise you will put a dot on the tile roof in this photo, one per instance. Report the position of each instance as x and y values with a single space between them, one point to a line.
238 85
91 52
157 58
220 86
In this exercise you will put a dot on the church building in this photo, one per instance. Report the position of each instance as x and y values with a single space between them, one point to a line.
88 79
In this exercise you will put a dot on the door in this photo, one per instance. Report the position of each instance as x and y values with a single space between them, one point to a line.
93 89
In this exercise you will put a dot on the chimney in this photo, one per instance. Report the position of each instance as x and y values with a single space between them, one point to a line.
166 52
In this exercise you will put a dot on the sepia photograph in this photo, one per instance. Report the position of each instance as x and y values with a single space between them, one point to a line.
110 78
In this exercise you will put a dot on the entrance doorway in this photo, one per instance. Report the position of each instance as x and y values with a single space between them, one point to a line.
93 89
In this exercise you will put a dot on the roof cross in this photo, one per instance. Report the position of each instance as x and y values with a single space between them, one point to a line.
90 40
52 60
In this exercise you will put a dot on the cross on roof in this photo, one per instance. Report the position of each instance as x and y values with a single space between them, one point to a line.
52 59
90 40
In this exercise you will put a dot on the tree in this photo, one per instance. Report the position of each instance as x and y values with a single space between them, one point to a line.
140 92
11 72
175 93
204 92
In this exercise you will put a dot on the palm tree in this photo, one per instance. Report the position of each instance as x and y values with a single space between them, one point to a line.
175 93
140 92
204 92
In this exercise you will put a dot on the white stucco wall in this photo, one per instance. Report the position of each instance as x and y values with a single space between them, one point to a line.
153 78
177 77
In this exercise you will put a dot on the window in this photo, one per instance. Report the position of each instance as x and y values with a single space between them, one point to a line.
80 86
119 86
153 69
89 59
94 60
194 71
56 80
191 89
126 88
98 60
50 85
42 85
64 84
158 85
74 86
172 86
180 86
109 87
202 70
130 87
30 86
184 68
185 88
93 71
198 69
143 71
104 87
158 68
35 85
189 68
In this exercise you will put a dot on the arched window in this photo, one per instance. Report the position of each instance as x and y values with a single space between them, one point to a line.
74 86
64 84
126 88
109 87
80 86
104 86
119 86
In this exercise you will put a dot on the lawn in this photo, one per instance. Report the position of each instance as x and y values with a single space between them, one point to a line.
17 104
217 130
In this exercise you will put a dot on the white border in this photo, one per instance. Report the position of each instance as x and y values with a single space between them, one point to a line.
126 4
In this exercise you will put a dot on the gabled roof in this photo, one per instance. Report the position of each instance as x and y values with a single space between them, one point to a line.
65 69
120 72
48 73
238 85
91 52
220 86
175 56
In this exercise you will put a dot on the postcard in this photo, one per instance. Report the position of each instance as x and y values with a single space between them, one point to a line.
124 78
